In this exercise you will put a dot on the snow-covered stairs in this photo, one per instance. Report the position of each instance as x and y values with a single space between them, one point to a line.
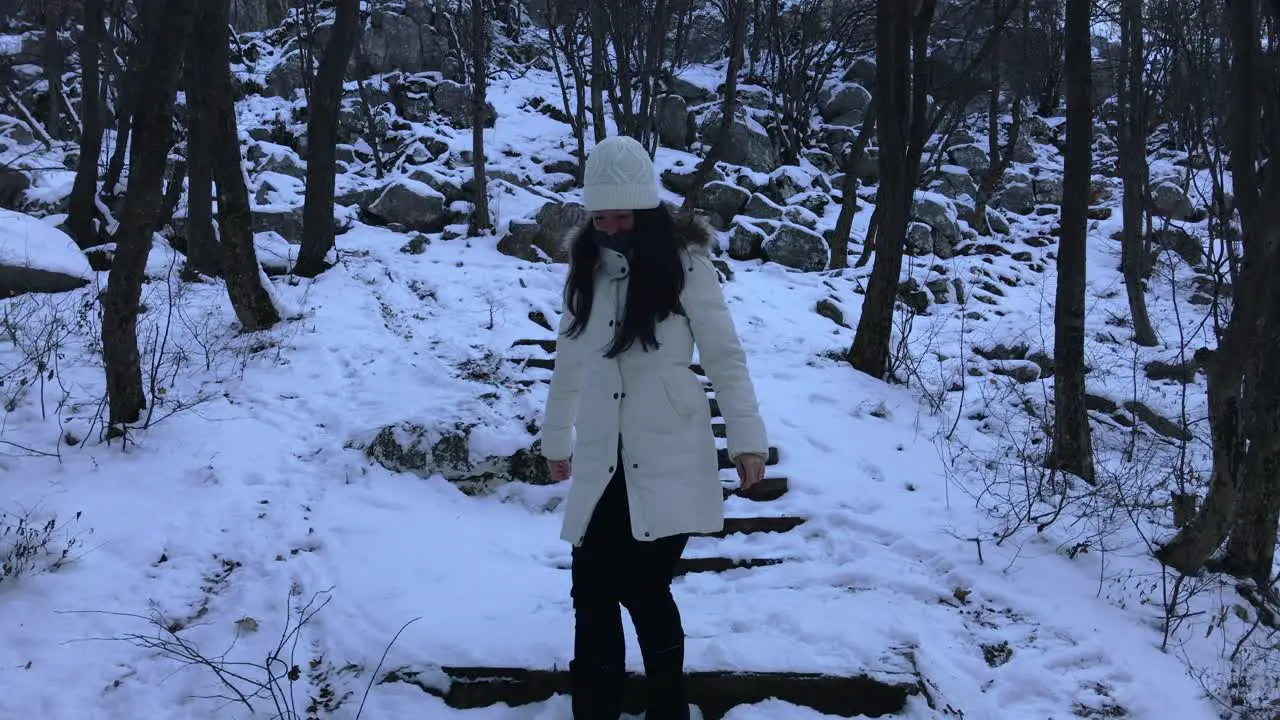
714 692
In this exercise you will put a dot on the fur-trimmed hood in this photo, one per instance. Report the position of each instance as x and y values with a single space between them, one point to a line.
692 232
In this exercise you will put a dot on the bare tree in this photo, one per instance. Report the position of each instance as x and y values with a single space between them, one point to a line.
1243 502
480 222
736 13
159 71
250 299
853 154
900 37
322 140
204 252
1072 449
82 206
1133 106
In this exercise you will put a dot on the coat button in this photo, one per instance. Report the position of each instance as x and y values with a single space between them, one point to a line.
610 468
624 394
615 396
610 323
646 534
635 466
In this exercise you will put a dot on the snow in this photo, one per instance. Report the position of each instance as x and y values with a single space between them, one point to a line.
29 242
251 498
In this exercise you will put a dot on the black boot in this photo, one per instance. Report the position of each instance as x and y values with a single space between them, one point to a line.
596 691
664 672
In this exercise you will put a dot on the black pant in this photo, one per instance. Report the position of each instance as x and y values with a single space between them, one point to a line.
612 570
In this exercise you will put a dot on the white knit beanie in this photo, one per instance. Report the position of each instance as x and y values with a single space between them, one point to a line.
619 176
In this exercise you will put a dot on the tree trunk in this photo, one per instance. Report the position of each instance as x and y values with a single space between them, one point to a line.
1252 545
849 190
1072 449
204 252
599 131
1133 167
738 22
249 296
159 70
53 67
322 139
870 350
480 223
82 206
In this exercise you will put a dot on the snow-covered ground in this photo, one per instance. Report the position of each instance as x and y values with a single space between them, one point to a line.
249 501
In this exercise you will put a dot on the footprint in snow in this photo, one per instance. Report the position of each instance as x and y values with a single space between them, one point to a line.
819 445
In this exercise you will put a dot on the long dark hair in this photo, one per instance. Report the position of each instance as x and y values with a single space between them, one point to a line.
653 293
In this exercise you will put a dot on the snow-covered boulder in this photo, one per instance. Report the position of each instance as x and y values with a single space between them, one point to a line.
37 257
412 204
797 247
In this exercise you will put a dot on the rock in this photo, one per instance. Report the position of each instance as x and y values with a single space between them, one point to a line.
1003 352
1023 371
863 72
941 290
673 121
940 215
1047 190
454 102
544 237
285 78
410 203
692 94
1168 200
815 201
680 180
914 296
746 241
955 182
723 198
1157 422
831 311
759 206
1184 373
970 157
36 257
800 216
797 247
446 451
1179 242
749 145
919 239
844 103
407 42
996 221
286 222
1016 198
13 185
257 15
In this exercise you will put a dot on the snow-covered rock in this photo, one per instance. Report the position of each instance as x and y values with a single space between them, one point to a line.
37 257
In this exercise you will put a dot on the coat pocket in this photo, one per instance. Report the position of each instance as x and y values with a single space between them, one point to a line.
684 393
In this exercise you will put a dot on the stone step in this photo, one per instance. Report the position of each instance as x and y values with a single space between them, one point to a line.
721 564
714 692
533 362
548 345
753 525
722 455
771 488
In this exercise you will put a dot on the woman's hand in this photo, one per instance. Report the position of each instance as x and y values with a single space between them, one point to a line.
560 469
750 469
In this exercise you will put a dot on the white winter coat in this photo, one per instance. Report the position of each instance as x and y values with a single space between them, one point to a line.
654 400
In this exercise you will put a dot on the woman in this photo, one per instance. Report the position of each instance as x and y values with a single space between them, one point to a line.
640 293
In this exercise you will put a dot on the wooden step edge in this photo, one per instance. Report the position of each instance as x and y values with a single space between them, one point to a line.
547 345
771 488
755 525
722 455
714 692
687 566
